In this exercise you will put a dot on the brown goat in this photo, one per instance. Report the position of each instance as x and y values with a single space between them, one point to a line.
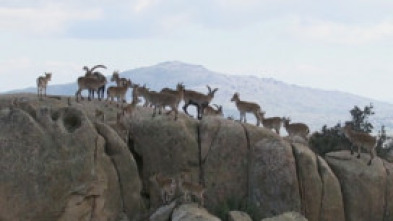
201 101
42 83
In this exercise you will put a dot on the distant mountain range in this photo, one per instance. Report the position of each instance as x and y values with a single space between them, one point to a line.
314 107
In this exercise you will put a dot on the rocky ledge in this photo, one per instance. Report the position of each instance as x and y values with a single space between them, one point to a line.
58 162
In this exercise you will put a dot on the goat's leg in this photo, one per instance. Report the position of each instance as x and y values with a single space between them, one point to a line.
78 92
371 156
199 112
351 149
176 113
163 197
154 111
89 94
185 109
359 147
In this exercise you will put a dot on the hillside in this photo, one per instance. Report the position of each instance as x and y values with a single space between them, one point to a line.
312 106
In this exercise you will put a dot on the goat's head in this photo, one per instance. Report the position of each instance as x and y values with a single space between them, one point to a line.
211 92
115 76
180 86
129 83
219 110
235 97
286 120
48 75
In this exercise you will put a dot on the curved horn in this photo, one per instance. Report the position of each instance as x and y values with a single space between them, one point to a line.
97 66
208 87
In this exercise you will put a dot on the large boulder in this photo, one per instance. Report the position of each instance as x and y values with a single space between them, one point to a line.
363 187
273 185
164 146
319 188
224 161
332 205
309 181
192 212
126 169
53 167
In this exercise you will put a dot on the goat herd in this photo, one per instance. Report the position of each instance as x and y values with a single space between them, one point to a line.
94 81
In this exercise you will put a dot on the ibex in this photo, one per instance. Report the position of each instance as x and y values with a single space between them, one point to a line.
116 78
92 73
100 90
162 99
99 115
360 140
89 72
296 129
128 109
198 99
89 83
166 185
118 92
144 92
210 111
247 107
42 83
174 92
189 188
271 122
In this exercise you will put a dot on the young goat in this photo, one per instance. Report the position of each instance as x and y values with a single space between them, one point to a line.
247 107
88 83
162 99
360 140
99 115
166 185
271 122
189 188
144 92
128 109
174 92
198 99
296 129
210 111
116 78
42 83
119 92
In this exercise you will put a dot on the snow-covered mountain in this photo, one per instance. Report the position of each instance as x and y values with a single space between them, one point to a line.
312 106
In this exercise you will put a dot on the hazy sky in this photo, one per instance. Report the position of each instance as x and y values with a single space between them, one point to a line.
344 45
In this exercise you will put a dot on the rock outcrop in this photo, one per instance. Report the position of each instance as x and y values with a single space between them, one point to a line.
57 162
319 188
363 187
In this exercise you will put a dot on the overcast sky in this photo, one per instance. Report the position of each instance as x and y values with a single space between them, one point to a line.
344 45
